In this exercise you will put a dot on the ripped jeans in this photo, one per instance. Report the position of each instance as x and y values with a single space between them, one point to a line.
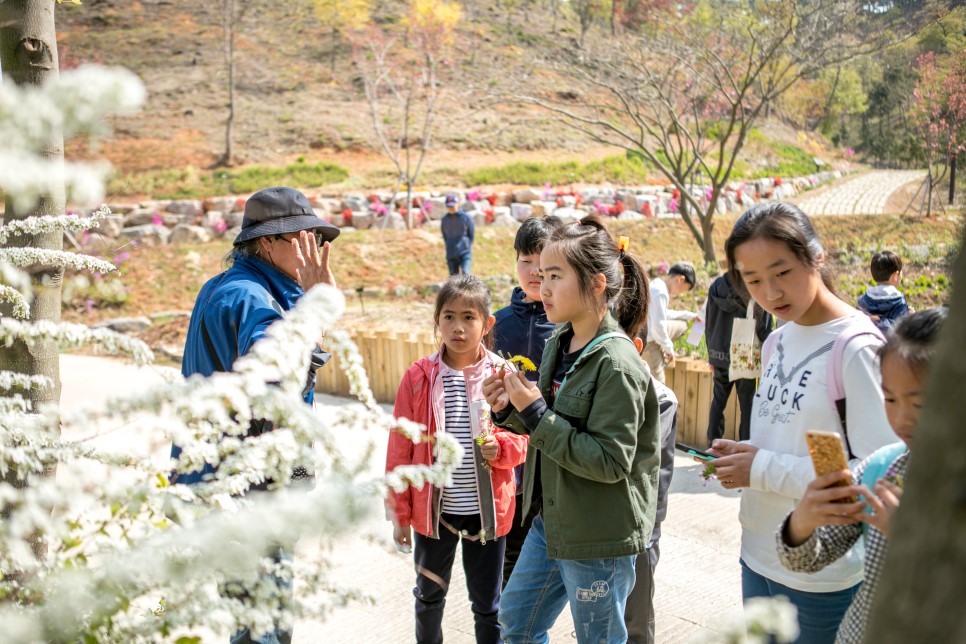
540 587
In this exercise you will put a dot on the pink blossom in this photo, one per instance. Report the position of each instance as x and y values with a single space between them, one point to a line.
156 220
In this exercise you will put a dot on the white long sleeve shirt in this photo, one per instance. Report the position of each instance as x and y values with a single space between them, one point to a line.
792 398
657 315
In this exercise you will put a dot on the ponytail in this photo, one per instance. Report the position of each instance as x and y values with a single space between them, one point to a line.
590 250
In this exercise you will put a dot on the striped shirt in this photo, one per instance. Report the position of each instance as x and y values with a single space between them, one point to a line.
461 497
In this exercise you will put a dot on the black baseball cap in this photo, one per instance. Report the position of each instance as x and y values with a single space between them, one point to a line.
276 211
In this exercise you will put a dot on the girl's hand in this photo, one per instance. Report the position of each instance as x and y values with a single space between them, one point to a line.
733 465
490 448
818 507
495 392
884 504
522 392
403 536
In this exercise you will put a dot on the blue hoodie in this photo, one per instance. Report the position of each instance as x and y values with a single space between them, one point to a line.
522 329
238 306
885 302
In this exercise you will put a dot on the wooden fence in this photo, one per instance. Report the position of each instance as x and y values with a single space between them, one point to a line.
386 356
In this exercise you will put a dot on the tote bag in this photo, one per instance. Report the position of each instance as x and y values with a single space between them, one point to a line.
745 349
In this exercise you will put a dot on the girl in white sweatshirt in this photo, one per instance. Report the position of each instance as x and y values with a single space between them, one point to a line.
774 253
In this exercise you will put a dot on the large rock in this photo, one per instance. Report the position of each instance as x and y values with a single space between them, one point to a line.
362 220
526 195
392 221
354 202
110 225
521 211
140 216
505 221
568 215
124 325
188 207
479 218
223 204
187 234
501 211
541 208
149 234
435 208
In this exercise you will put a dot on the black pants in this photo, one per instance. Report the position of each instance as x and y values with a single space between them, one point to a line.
639 611
482 565
722 389
516 536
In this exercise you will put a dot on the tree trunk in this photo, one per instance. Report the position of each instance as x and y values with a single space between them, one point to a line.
228 25
28 54
952 178
921 591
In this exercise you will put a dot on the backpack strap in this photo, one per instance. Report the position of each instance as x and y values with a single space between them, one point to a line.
600 338
835 380
768 346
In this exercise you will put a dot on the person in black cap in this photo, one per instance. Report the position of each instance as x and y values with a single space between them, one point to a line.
281 252
458 232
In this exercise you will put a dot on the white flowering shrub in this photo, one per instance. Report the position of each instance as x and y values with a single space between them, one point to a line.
127 556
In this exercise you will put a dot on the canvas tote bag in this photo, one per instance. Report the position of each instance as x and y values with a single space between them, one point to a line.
745 349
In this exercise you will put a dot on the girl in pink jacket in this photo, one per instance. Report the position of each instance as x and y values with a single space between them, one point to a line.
444 393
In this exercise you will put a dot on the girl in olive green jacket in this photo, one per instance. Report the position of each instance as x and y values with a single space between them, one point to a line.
593 456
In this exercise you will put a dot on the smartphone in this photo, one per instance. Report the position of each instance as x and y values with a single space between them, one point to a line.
828 455
694 451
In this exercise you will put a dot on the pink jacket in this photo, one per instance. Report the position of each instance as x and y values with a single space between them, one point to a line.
420 398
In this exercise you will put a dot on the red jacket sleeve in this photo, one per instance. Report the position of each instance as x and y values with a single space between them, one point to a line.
513 449
399 505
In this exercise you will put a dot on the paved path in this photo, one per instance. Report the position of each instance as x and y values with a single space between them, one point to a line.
865 194
698 585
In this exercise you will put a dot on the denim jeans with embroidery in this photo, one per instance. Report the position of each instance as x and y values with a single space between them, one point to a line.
540 587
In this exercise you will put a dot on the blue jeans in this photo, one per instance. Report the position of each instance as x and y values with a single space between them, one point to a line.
819 614
461 263
540 587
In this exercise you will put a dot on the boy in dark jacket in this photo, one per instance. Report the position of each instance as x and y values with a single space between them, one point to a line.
522 329
724 305
883 302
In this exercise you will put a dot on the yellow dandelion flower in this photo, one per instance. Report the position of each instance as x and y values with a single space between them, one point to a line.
524 363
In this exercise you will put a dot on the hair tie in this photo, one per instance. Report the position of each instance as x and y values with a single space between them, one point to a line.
622 245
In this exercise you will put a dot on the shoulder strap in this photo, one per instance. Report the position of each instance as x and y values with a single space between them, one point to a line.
769 345
835 380
600 338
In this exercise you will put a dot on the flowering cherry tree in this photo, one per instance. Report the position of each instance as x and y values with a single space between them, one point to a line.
124 554
940 113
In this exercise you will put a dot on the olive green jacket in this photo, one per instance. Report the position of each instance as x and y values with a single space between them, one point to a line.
599 451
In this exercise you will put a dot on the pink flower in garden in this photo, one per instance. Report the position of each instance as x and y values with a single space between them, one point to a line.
221 226
850 152
156 220
88 305
673 205
120 258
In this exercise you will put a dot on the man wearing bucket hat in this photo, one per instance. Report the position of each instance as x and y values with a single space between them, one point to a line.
281 252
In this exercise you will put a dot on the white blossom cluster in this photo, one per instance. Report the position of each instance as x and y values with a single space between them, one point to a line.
24 257
74 103
50 224
122 539
109 549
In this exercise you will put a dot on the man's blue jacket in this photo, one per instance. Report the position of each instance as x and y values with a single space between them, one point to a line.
237 307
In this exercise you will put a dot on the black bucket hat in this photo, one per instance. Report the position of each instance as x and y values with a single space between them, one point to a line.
276 211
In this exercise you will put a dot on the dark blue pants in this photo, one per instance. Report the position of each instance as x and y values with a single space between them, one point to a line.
819 614
745 392
461 263
482 565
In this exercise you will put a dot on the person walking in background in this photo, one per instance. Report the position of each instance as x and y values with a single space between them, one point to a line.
823 528
281 252
639 613
883 302
725 303
441 392
774 253
458 232
522 328
593 456
663 325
